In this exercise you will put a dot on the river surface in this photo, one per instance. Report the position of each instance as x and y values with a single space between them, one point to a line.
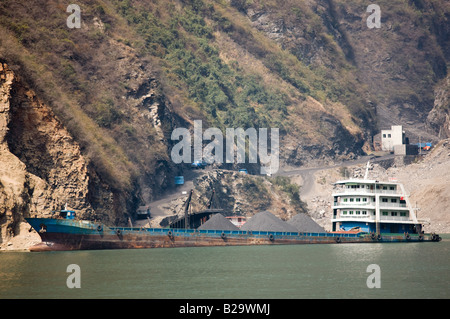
406 270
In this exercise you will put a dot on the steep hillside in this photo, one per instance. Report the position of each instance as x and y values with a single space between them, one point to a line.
89 112
395 67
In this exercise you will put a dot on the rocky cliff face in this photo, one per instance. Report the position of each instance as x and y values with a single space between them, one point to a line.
42 168
439 117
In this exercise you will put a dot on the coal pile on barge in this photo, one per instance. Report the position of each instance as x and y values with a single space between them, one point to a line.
266 221
305 224
218 222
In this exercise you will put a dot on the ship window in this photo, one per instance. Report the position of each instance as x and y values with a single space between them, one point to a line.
350 212
394 214
393 200
403 214
358 199
352 199
384 200
385 213
389 135
392 188
358 212
384 187
344 212
384 135
364 199
345 200
364 212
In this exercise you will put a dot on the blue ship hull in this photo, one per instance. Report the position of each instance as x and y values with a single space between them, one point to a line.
71 234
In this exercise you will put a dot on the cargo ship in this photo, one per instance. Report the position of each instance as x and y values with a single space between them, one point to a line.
65 233
364 211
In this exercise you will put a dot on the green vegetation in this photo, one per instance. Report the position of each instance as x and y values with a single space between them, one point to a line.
293 191
228 96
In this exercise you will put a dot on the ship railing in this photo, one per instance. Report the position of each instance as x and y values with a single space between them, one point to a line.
368 217
372 218
218 233
396 218
384 204
356 204
357 191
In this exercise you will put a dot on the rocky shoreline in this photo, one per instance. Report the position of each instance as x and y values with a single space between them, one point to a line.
21 242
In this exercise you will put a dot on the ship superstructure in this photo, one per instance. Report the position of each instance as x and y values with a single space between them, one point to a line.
373 206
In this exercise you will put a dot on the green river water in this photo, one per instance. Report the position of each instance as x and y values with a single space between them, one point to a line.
406 270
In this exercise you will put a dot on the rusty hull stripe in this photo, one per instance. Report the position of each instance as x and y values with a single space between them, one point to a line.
65 241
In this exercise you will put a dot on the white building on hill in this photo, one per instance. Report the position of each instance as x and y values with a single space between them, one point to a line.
390 138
